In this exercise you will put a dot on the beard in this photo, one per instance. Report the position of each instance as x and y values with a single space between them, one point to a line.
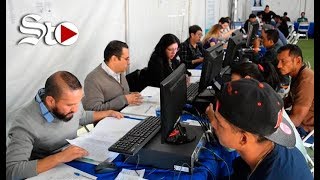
63 117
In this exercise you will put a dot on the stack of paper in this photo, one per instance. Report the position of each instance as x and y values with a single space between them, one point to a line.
101 137
151 102
64 171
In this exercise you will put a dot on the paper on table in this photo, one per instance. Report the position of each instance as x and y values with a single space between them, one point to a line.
63 171
101 137
195 72
151 94
194 79
145 109
128 174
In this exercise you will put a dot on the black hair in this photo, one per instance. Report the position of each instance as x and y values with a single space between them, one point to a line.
252 16
165 41
294 50
263 72
54 87
193 29
270 74
285 13
247 69
272 34
267 5
223 20
114 48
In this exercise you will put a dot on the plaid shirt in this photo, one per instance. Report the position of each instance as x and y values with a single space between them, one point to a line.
187 53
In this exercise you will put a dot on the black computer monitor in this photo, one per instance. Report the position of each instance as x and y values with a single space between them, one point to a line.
211 68
173 97
234 44
216 49
252 32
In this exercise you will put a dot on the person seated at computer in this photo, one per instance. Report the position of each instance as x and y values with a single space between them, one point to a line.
248 118
37 137
192 51
263 73
226 32
163 60
301 95
269 37
106 86
302 18
281 41
268 40
212 37
252 19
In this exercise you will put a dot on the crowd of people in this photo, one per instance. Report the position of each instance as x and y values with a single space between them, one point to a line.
247 117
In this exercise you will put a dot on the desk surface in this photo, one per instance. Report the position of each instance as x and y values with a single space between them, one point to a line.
206 157
217 167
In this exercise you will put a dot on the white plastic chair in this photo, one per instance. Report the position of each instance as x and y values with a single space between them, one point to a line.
296 38
303 29
310 146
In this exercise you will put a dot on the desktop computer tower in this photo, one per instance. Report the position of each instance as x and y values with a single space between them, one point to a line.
170 156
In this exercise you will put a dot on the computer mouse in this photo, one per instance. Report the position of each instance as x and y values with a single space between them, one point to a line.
105 167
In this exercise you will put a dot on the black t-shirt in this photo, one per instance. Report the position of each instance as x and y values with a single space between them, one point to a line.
266 17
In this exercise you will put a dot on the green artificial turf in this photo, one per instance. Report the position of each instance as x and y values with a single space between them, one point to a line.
307 47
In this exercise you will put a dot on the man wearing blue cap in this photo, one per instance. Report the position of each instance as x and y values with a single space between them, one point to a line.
248 118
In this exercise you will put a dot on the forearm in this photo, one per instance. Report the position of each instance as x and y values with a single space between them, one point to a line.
298 114
99 115
48 163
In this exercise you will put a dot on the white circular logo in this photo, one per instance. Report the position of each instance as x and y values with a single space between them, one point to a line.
66 33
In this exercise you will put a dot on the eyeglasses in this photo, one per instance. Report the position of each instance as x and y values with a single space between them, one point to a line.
173 49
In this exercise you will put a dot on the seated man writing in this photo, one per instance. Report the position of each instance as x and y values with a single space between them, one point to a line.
37 137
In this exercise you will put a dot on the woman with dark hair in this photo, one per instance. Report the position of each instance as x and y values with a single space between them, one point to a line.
163 60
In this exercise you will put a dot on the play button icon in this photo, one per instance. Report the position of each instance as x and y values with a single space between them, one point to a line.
66 33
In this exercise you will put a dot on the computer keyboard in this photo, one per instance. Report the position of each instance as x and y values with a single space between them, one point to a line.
192 91
137 137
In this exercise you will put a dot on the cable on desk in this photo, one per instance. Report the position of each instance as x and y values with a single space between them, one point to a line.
181 171
201 164
219 158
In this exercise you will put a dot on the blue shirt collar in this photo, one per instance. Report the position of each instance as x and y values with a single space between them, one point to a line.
44 110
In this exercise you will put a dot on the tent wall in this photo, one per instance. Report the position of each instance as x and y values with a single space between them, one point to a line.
292 7
28 66
140 23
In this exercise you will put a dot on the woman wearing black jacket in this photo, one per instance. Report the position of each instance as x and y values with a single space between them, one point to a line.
163 60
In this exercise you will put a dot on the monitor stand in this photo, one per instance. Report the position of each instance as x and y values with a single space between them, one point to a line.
170 156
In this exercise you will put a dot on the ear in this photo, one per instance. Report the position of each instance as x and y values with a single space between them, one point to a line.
50 101
298 60
243 139
114 58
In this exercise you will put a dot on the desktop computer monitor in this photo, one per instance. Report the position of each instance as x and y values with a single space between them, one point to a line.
216 49
234 44
252 32
211 68
173 97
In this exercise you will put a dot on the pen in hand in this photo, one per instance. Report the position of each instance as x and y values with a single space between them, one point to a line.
78 174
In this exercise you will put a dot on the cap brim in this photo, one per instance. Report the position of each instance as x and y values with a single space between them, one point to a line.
284 135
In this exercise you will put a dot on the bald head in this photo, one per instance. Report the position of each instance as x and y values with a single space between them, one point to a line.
59 82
